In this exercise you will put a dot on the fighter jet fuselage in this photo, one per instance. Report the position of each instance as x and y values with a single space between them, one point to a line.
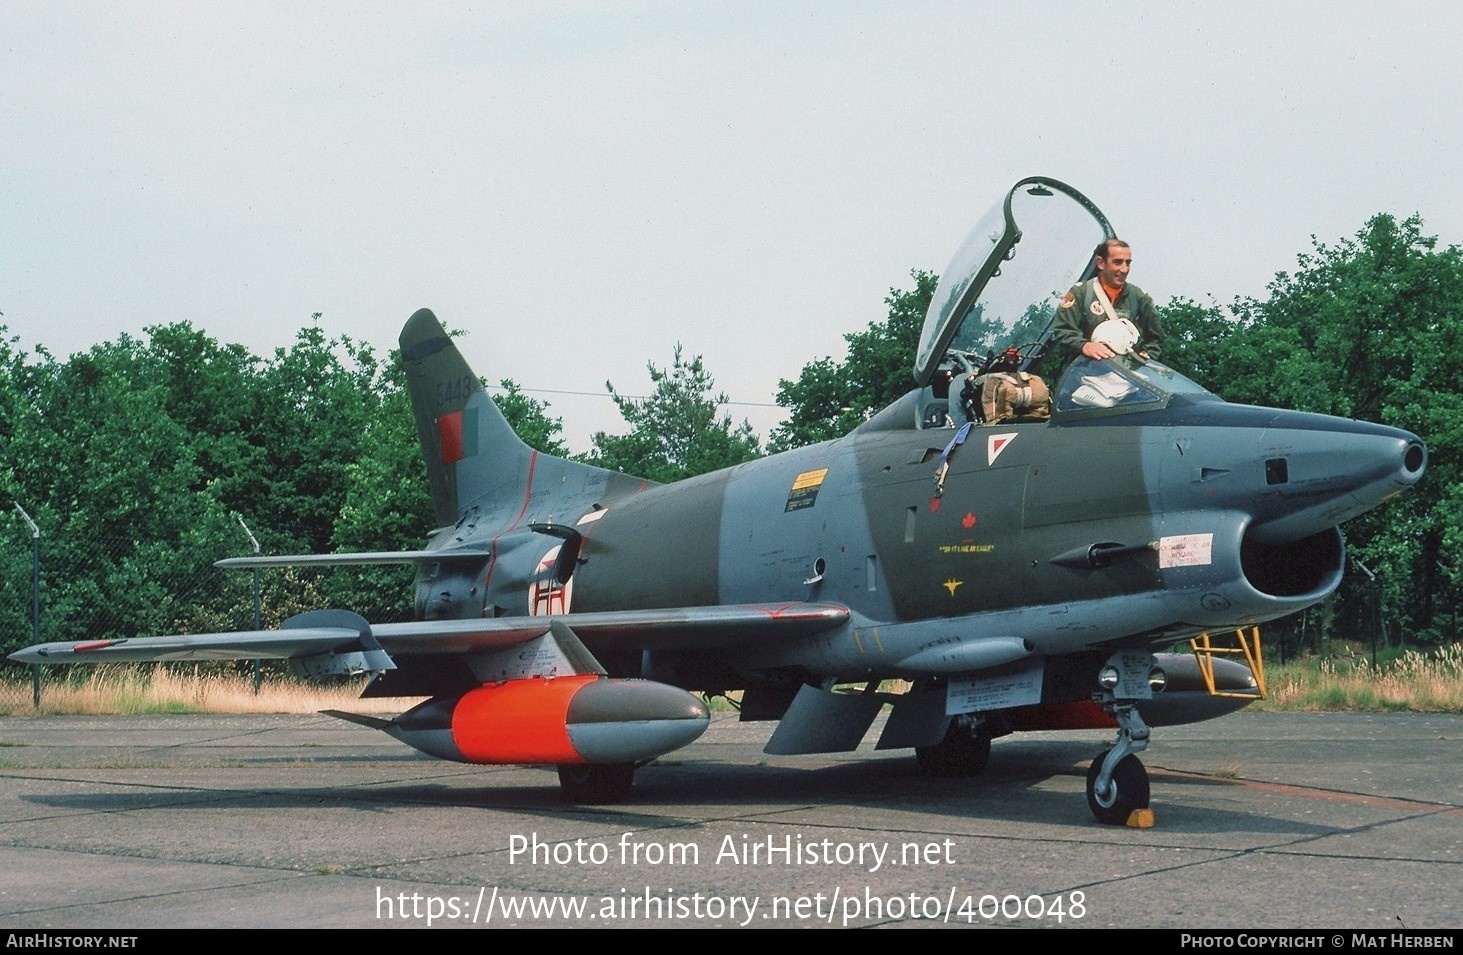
1089 530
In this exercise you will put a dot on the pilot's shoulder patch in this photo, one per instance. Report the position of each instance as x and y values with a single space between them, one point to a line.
1068 300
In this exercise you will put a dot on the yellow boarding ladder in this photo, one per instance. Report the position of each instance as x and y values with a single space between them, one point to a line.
1249 646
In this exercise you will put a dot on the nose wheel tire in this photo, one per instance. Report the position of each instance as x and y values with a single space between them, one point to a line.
1127 791
596 783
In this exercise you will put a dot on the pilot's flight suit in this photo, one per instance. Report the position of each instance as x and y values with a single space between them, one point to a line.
1081 311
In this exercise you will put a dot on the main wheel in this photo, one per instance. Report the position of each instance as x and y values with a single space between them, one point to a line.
1128 791
596 782
964 751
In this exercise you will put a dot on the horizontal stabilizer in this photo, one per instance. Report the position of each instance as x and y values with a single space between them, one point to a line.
238 645
355 560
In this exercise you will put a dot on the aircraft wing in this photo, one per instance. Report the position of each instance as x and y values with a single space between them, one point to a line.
680 627
340 634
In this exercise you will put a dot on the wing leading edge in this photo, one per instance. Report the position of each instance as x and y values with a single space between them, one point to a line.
334 633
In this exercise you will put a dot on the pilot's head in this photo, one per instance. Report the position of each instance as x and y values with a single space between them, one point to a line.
1113 260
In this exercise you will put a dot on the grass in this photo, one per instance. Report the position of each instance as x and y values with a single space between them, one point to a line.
161 690
1414 681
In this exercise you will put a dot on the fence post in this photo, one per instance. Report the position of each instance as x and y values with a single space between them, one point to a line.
258 614
1372 610
35 613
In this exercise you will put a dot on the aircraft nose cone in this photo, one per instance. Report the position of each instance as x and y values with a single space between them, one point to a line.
1373 464
1407 458
1320 472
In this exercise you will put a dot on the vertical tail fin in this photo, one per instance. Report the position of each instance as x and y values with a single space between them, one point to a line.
458 424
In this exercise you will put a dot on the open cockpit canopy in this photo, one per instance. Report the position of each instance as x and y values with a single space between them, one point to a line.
1004 283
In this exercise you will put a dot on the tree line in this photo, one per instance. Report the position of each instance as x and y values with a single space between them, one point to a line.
139 458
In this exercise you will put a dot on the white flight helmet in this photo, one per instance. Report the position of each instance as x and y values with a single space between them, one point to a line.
1119 334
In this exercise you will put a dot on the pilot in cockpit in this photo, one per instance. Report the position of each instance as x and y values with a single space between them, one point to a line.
1108 297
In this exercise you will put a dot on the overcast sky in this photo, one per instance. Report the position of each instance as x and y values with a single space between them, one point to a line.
582 185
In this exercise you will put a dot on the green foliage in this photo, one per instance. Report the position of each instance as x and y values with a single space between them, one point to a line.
830 399
678 431
386 496
1379 321
135 456
1191 333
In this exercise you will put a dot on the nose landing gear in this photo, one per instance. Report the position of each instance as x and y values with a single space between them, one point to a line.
1117 783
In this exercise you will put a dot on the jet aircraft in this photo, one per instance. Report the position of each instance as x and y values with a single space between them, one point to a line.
1007 577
